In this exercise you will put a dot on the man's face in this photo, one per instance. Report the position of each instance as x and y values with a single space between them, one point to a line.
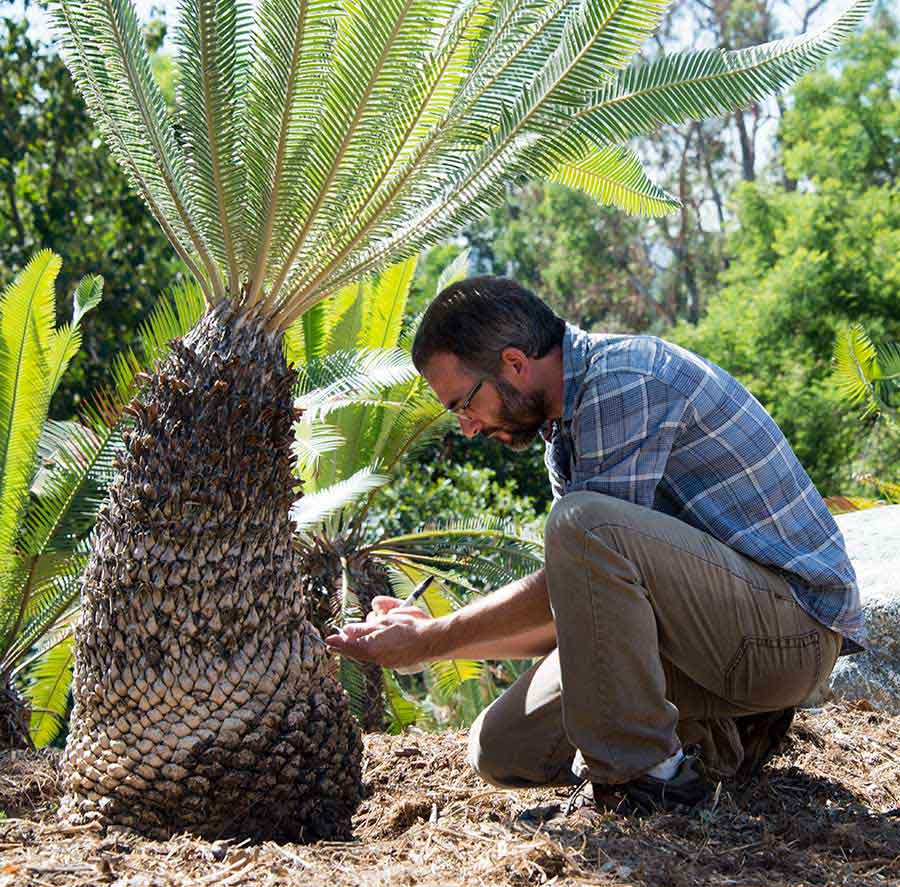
499 409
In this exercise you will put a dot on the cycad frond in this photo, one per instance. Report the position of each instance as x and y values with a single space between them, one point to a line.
104 49
47 689
172 316
348 377
208 37
314 508
26 327
312 441
614 176
402 709
855 365
694 85
67 339
331 138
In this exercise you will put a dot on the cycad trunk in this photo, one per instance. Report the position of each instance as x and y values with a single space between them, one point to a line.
202 695
14 717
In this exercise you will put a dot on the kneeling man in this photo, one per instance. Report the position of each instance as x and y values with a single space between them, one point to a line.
695 587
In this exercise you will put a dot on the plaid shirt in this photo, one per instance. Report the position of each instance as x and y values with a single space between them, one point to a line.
652 423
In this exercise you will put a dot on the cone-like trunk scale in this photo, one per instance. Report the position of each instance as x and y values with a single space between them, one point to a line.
203 696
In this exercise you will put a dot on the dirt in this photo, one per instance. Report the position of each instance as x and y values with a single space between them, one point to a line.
825 812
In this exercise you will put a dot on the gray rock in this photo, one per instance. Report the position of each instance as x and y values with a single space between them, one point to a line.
873 543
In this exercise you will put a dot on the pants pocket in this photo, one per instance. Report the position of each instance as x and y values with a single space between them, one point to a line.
774 672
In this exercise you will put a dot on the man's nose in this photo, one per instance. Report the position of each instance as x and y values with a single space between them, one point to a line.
469 427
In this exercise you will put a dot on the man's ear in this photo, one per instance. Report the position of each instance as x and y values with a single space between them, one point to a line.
515 360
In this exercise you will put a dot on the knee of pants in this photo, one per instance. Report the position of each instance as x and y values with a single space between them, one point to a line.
574 513
486 752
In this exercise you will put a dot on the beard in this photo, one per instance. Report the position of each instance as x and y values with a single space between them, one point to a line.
521 415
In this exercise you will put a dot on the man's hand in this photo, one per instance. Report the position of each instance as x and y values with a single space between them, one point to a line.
393 636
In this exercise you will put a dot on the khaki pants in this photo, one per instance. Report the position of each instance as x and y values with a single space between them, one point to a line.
664 635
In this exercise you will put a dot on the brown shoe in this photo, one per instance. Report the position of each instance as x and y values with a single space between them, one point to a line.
762 736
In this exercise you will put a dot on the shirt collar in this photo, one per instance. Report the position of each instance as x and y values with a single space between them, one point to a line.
576 347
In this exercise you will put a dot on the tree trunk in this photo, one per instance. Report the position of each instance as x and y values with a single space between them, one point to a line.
202 698
14 718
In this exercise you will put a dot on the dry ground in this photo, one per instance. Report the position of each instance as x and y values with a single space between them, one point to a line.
825 812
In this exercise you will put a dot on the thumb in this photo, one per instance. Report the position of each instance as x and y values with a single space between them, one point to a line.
382 604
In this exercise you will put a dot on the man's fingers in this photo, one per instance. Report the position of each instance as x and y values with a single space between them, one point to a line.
382 603
352 631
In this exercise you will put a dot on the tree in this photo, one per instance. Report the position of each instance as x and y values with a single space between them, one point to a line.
60 190
807 261
310 149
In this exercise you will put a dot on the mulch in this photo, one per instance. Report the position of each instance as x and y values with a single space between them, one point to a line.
825 812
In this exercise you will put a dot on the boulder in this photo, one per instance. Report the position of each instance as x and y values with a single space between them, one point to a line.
873 543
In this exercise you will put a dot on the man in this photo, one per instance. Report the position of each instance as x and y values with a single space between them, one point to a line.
695 587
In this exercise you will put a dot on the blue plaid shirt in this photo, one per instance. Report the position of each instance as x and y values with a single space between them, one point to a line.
650 422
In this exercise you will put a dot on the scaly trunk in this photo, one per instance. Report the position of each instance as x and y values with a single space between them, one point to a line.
14 717
322 584
203 699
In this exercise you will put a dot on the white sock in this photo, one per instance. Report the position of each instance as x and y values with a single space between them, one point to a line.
665 770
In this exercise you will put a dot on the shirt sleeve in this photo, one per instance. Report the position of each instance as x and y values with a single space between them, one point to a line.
623 431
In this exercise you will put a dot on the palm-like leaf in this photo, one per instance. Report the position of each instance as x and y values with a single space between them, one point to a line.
324 139
855 364
314 508
47 689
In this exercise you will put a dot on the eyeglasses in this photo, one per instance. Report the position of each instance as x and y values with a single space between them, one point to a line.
460 409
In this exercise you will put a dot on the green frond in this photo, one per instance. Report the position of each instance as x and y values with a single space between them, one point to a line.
173 315
384 317
208 92
614 176
855 365
312 441
403 711
314 508
47 690
26 328
290 68
103 47
456 271
448 674
305 339
66 340
49 602
376 78
347 377
354 683
695 85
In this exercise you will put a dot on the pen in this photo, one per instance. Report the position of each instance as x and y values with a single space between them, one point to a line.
418 591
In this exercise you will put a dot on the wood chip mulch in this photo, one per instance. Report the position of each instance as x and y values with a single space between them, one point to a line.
825 812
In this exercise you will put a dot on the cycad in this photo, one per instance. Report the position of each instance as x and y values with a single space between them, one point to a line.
315 141
48 476
868 376
364 410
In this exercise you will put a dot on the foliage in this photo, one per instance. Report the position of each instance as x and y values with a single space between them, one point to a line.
46 490
312 148
366 410
586 261
806 262
869 377
59 190
55 475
